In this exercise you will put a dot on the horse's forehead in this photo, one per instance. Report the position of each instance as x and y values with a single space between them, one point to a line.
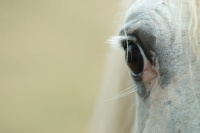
149 11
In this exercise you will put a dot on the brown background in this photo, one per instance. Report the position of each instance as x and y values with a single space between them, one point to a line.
52 58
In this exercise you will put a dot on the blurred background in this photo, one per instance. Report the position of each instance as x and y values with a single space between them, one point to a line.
52 59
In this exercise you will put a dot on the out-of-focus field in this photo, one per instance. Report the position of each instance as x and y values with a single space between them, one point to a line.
52 58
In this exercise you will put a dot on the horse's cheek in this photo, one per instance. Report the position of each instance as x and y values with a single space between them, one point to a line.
159 114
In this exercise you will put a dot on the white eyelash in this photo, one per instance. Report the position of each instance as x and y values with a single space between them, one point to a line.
115 41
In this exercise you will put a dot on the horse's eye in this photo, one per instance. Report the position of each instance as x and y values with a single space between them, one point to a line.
133 57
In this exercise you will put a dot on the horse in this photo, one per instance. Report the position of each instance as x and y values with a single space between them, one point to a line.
159 44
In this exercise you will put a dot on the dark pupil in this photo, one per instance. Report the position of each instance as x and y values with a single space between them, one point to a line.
134 58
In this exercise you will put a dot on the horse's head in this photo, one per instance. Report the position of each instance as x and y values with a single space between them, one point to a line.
161 48
160 45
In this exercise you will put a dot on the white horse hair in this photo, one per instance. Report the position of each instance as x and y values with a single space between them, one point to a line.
168 92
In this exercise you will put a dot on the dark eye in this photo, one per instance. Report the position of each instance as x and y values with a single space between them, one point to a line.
133 56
